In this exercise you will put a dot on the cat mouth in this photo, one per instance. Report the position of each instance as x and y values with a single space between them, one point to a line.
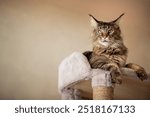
104 43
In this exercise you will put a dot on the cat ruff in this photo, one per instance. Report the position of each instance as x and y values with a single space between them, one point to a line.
76 68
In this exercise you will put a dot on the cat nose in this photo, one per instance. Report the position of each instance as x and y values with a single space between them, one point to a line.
105 34
105 39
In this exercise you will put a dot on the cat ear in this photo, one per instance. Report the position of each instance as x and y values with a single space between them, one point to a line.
116 21
94 21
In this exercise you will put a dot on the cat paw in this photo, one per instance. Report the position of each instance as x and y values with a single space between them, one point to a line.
117 80
113 68
114 71
142 75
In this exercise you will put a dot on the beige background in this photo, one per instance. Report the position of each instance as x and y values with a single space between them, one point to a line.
35 35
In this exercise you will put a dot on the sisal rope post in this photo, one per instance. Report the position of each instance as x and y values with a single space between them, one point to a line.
103 93
102 86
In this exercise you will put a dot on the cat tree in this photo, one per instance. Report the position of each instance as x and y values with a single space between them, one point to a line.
75 70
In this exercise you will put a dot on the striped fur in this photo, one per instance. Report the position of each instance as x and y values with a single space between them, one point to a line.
109 52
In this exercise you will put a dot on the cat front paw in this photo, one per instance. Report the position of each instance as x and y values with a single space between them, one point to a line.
142 75
116 80
113 68
114 71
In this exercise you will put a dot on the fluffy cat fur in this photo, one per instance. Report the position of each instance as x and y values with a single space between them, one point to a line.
109 52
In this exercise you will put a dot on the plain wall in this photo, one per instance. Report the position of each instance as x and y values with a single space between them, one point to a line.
36 35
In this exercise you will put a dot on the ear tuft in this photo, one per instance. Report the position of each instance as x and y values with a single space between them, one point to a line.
94 21
116 21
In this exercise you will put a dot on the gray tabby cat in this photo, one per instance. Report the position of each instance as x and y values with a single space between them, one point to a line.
109 52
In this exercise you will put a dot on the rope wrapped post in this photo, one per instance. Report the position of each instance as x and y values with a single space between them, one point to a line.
102 85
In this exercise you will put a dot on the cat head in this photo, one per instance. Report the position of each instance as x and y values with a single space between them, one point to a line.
106 33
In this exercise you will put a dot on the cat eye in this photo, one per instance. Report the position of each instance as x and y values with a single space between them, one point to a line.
100 27
106 27
110 31
99 32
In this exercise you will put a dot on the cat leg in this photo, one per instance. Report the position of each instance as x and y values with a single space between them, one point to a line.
104 64
140 71
115 72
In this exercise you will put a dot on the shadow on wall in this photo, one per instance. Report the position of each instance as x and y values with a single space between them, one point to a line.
36 35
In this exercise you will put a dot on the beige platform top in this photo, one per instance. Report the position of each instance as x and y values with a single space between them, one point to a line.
130 88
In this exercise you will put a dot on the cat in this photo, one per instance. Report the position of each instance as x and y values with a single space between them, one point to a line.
109 52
